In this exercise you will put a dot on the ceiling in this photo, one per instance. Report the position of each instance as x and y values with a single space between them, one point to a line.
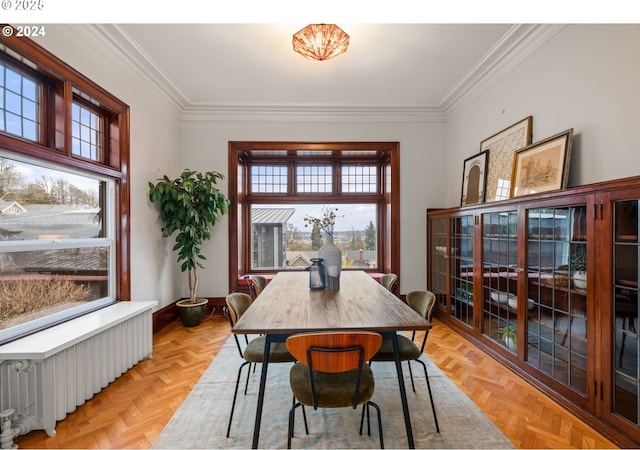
240 65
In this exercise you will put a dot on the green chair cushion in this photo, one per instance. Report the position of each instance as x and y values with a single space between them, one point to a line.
408 350
333 390
278 353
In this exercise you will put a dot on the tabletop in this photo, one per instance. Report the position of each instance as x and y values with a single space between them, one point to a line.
287 306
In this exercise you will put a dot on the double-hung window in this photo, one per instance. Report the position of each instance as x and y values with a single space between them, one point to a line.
63 192
281 184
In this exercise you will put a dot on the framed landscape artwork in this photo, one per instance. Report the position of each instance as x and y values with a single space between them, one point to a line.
474 179
543 166
501 147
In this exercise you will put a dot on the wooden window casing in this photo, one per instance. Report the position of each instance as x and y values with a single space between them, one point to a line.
383 155
60 86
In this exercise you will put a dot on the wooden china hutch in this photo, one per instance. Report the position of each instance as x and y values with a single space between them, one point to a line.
548 285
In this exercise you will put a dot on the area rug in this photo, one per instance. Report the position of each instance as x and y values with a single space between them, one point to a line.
201 421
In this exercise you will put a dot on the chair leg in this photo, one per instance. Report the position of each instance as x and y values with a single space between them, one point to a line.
292 420
379 421
411 376
246 383
365 406
304 417
235 396
433 406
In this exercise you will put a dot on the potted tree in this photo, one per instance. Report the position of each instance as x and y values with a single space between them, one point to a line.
190 206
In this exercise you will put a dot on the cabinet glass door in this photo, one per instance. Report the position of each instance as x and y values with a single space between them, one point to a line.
500 278
438 253
556 294
625 311
461 269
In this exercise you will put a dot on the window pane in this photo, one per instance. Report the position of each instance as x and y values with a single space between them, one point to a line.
86 133
281 239
56 254
37 283
269 179
41 203
360 179
19 104
314 179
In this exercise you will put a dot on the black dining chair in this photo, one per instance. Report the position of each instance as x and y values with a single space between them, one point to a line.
331 372
423 302
253 351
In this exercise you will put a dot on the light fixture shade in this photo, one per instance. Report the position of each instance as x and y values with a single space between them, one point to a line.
320 41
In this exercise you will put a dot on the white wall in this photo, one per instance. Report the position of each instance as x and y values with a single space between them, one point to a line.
586 78
422 182
155 150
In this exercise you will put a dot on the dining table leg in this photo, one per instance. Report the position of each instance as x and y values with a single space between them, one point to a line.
403 391
263 383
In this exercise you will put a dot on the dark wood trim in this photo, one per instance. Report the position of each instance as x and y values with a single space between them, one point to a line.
59 81
384 153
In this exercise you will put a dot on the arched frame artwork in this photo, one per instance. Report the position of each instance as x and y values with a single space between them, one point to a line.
474 179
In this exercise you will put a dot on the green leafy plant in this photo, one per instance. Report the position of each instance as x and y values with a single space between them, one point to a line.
189 205
509 335
578 259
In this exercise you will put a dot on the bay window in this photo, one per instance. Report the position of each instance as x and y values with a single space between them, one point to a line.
281 183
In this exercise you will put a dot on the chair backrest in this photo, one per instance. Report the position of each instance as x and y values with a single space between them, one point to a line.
389 281
257 284
423 302
334 352
237 304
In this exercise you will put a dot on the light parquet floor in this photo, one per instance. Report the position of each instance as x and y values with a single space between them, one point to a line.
131 412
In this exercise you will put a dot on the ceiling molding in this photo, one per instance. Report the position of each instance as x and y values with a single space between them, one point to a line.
518 44
315 113
115 43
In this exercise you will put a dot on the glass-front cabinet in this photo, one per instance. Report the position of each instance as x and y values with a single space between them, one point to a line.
548 285
622 391
461 269
438 243
500 278
556 296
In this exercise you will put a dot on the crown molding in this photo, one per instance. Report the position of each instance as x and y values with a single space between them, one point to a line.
113 42
518 44
315 113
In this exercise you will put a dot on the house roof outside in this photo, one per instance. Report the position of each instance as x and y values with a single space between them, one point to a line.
271 215
7 207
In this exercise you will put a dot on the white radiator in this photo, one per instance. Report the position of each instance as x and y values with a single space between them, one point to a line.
45 376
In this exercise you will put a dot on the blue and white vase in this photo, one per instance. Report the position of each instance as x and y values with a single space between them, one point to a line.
332 256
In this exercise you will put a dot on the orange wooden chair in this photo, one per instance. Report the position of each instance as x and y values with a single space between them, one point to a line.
331 372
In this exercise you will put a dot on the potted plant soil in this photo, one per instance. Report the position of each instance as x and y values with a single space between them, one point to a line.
190 206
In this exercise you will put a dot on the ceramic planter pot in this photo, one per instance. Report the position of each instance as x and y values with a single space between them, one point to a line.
580 280
192 314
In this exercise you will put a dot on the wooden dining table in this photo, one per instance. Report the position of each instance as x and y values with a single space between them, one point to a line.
287 306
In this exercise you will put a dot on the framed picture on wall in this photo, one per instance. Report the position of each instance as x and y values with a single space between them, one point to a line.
501 146
474 179
543 166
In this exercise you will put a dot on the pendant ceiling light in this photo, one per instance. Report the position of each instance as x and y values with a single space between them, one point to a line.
320 41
